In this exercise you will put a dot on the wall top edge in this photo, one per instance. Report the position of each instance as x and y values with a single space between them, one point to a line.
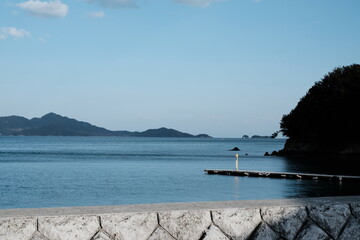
160 207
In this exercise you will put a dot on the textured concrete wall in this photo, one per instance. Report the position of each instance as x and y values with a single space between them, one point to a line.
315 218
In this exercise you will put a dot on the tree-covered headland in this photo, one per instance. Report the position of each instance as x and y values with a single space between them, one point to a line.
327 118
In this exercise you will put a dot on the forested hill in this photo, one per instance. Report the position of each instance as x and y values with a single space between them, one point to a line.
327 118
53 124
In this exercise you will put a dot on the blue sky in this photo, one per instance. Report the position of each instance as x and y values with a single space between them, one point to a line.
222 67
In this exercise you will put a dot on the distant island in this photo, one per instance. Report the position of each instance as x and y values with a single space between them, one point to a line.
53 124
327 119
258 136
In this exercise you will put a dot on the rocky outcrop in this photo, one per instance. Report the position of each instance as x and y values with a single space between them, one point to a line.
301 147
235 149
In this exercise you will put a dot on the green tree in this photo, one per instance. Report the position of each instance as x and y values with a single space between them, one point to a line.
329 113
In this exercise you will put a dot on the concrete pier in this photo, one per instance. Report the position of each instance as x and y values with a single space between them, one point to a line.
283 175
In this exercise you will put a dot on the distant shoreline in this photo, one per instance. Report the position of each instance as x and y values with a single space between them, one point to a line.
53 124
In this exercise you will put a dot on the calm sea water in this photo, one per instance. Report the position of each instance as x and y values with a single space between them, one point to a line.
84 171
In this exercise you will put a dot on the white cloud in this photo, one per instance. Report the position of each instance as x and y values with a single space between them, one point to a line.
52 8
200 3
115 3
99 14
41 39
6 32
44 38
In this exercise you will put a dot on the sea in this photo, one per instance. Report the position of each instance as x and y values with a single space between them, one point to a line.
37 172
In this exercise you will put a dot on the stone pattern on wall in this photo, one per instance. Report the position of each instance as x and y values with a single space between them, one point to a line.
330 221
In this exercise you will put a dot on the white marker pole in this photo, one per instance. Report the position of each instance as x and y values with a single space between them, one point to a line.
237 162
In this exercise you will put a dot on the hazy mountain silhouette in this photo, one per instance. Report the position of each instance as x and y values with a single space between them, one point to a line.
53 124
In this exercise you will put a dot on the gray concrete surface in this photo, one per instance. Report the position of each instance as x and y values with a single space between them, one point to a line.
290 219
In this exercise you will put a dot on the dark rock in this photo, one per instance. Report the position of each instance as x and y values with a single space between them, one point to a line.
274 153
266 154
235 149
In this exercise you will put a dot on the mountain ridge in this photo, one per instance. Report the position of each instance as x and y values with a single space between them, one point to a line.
53 124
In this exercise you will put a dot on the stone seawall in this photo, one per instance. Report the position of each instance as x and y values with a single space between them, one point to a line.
310 218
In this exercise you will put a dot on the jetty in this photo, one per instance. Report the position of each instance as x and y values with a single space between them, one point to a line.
286 175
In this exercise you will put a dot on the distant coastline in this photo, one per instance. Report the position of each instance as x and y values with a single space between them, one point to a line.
53 124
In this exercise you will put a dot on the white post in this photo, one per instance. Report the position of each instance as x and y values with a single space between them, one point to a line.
237 162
